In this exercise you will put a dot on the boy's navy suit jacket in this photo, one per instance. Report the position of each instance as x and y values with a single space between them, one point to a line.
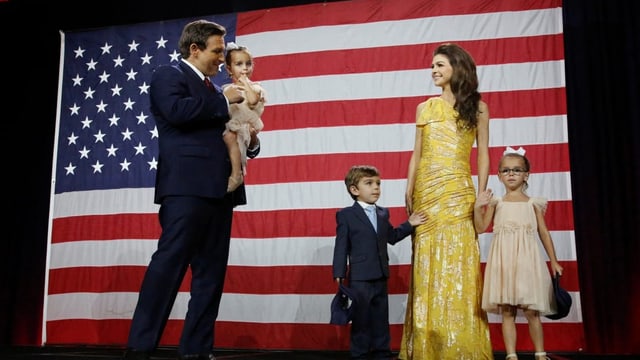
359 251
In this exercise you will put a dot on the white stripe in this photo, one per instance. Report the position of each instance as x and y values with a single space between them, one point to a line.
405 32
284 196
552 186
91 253
97 202
528 131
297 251
269 309
400 137
409 83
337 140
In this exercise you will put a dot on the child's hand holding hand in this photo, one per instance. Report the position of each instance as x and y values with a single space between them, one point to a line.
417 218
484 198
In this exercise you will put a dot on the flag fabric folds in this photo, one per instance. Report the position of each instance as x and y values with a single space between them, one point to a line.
343 82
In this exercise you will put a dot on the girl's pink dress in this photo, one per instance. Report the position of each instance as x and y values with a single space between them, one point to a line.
516 272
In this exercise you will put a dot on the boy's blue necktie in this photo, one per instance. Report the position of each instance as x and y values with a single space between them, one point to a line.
371 214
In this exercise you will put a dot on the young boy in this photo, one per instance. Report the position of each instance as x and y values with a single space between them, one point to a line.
364 243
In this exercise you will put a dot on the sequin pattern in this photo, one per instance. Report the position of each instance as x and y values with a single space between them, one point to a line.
444 319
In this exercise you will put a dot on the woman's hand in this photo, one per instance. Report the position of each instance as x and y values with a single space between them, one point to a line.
484 198
408 200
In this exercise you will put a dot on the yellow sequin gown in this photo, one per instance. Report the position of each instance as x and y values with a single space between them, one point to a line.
444 319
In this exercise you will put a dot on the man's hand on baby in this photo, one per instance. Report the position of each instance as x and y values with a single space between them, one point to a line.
233 93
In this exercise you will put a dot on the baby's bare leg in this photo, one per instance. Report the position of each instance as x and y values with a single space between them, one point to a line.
236 178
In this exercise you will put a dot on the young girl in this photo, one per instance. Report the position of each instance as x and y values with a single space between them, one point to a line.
245 116
516 275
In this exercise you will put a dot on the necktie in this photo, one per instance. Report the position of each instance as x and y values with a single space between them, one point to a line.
208 83
371 214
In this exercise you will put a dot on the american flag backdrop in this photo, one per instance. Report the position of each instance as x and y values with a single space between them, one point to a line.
343 81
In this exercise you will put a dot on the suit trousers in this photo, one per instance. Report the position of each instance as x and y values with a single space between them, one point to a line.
196 233
370 323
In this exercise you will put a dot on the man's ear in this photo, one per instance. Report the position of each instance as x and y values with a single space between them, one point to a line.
353 189
193 48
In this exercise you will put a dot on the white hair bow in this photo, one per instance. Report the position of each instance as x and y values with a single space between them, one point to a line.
511 150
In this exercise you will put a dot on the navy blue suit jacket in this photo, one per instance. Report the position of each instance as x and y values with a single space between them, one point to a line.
358 243
193 159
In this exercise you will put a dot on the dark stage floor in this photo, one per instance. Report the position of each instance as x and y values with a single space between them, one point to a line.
109 353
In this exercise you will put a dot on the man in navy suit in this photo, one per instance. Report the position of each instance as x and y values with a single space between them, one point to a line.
363 242
191 188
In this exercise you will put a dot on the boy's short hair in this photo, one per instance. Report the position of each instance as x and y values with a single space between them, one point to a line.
356 173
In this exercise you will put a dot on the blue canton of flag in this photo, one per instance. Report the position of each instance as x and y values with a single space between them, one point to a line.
107 136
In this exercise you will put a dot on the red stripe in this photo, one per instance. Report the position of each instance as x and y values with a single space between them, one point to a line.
559 216
322 222
95 279
249 224
526 103
241 279
325 167
406 57
105 227
322 14
508 104
392 165
559 336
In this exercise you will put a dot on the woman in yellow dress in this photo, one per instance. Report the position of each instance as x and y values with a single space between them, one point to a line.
444 319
